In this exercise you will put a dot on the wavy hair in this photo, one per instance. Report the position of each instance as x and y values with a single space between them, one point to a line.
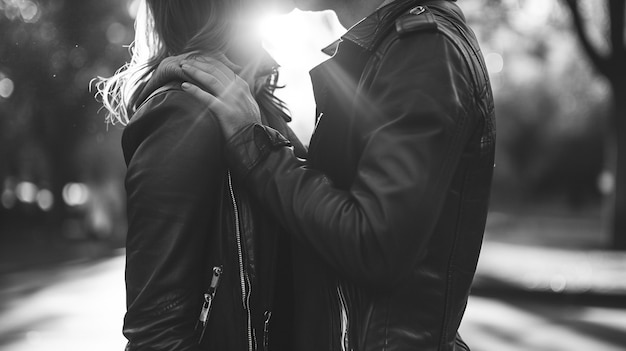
165 28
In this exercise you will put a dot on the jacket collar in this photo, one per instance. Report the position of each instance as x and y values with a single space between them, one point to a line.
364 33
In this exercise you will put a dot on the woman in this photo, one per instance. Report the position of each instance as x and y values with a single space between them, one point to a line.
202 257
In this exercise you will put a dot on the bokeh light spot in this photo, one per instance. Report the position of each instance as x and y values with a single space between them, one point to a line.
75 194
29 11
6 88
606 182
78 57
116 33
494 62
26 192
133 8
45 199
558 283
8 199
48 31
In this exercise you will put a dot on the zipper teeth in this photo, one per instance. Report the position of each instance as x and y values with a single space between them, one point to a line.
245 297
345 345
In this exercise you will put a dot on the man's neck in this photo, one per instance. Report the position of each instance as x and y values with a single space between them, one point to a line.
350 13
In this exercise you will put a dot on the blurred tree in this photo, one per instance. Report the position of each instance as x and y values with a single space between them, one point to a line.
611 65
561 151
49 52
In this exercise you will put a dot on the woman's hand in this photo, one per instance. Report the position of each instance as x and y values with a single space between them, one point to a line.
224 92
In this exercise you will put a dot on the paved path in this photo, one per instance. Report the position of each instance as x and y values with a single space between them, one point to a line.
80 307
501 325
76 307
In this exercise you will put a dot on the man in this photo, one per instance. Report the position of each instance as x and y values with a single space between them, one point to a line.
389 209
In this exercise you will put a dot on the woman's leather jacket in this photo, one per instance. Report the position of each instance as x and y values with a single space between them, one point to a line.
202 256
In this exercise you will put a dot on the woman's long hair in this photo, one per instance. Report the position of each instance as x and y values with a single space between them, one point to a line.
166 28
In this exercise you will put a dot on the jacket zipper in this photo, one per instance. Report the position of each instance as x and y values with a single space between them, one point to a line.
345 323
209 296
266 330
245 294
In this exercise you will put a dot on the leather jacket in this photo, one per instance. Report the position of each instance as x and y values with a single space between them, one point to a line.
198 246
389 209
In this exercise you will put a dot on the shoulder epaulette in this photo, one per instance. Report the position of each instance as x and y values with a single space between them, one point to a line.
417 19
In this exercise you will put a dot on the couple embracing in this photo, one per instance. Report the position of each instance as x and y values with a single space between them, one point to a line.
242 239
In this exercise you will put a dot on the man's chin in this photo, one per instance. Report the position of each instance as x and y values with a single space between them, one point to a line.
311 5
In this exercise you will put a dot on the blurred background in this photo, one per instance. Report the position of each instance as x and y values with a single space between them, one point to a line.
552 275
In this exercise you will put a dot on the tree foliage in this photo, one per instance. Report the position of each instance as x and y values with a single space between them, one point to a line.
611 64
49 52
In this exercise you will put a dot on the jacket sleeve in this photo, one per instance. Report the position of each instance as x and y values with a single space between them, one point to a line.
174 164
377 230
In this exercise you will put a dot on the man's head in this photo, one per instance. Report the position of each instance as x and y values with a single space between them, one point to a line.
278 6
348 11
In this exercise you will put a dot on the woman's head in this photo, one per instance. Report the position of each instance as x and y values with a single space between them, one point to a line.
166 28
191 25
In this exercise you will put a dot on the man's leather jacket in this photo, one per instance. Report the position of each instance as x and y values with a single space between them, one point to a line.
389 210
195 238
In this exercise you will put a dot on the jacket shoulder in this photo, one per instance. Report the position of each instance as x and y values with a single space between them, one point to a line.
170 113
170 105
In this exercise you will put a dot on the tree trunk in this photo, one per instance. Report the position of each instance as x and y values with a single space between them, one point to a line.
618 221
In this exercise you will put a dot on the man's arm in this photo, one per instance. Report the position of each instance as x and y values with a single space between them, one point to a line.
376 231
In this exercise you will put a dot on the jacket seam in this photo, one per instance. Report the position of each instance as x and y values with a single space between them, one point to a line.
387 325
450 275
170 306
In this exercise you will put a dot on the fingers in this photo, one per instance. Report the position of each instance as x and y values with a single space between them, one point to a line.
213 102
170 65
222 67
224 74
232 115
216 82
207 80
174 60
216 59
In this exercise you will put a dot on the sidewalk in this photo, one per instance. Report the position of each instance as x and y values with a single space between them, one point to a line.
554 256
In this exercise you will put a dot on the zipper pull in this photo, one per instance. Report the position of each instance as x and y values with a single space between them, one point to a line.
204 313
266 329
215 280
208 301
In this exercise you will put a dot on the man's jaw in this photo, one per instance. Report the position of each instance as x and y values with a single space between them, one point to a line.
349 12
316 5
274 6
282 6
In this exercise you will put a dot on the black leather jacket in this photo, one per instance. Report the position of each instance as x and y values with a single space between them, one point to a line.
190 227
389 210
